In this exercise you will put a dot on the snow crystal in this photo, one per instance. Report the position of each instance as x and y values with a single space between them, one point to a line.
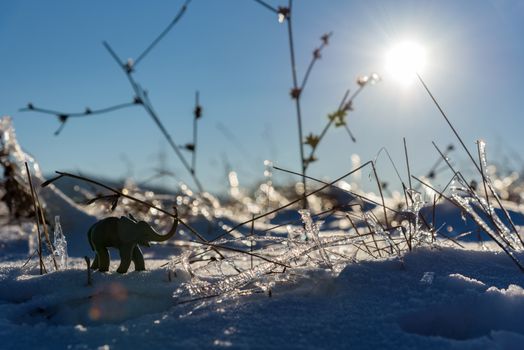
427 278
80 328
223 343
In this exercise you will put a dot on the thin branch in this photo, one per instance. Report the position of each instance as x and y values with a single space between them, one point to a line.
314 216
381 194
114 55
221 247
505 249
471 191
316 56
87 111
350 134
344 106
29 258
35 207
267 6
46 232
139 98
326 128
448 121
142 98
407 162
434 169
290 203
63 117
121 194
197 115
442 195
296 96
173 145
359 196
162 34
487 182
385 150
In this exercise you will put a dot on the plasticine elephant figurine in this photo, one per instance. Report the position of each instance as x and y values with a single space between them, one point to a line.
125 234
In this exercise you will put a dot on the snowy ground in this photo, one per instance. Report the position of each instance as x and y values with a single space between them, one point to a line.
333 294
433 299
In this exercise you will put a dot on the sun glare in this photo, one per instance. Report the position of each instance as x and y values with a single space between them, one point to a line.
404 60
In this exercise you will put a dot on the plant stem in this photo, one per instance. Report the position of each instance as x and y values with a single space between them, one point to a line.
195 134
35 207
163 33
449 123
292 202
328 125
146 104
297 100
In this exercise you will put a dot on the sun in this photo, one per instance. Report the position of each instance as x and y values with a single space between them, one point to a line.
404 60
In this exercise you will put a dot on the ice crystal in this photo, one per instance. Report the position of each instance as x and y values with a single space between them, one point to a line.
60 245
427 278
312 233
302 247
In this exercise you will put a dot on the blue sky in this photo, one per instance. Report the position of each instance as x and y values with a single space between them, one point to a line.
235 53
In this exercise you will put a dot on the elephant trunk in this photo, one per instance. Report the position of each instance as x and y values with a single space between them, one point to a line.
156 237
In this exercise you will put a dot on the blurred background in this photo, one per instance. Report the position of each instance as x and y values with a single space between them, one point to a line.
236 54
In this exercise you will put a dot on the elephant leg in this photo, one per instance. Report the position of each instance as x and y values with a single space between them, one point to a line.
102 257
94 265
138 259
125 258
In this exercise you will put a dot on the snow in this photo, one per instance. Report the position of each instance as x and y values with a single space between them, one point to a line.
476 301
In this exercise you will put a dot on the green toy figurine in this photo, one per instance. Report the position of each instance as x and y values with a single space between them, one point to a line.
125 234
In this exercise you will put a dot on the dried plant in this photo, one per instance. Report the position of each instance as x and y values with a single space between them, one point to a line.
338 118
140 98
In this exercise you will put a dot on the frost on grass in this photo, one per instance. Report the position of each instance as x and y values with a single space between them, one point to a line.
480 207
60 245
75 219
284 258
302 248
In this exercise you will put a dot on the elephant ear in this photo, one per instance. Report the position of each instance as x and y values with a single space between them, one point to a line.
143 227
128 231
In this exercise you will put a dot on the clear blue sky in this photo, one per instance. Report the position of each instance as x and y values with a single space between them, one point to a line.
235 52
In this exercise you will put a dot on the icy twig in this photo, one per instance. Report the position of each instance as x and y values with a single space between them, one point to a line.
488 183
121 194
332 184
292 202
448 122
507 248
312 230
35 206
381 194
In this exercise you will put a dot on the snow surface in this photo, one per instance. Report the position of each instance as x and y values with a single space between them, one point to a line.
475 301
